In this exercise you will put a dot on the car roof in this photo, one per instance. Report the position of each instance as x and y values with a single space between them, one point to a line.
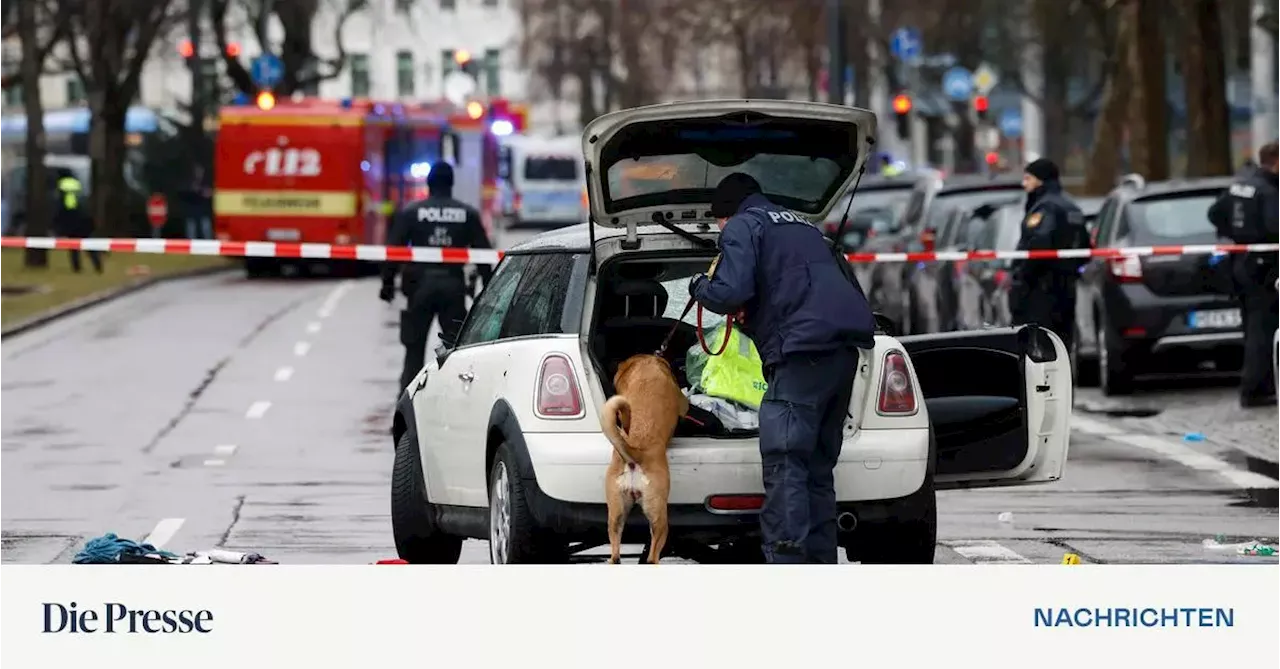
1161 189
968 182
577 238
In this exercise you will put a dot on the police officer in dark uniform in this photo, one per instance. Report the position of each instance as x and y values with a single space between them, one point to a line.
1246 213
433 290
808 328
1044 291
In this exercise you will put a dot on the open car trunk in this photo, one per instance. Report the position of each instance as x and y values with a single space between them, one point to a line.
639 300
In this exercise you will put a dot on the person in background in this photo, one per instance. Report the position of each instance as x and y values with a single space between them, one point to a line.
198 202
1247 213
433 290
810 328
1043 292
69 216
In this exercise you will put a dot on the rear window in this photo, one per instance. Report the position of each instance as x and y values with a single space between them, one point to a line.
875 202
799 177
550 168
1177 218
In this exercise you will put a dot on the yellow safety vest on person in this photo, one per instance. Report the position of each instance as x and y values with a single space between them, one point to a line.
70 189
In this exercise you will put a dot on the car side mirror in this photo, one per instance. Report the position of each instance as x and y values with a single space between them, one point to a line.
886 325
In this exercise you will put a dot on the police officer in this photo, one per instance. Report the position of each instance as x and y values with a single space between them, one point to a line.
808 328
1246 213
70 218
1044 291
433 290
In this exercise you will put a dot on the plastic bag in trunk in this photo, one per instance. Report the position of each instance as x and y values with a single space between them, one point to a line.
734 375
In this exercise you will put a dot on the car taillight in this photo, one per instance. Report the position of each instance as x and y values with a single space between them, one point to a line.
1002 278
927 239
897 394
558 395
517 199
1127 269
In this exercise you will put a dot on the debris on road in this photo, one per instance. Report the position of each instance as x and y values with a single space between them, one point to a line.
1257 548
1193 436
111 549
1005 517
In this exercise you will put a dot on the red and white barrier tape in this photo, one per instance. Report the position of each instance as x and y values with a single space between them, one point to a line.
463 256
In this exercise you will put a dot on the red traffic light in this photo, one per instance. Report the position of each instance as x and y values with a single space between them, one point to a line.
233 49
186 49
980 104
901 104
993 158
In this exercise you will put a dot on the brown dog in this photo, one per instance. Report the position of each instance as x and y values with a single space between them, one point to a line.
648 406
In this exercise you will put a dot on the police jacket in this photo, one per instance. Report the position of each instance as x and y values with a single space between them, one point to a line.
1052 222
441 222
778 268
1246 213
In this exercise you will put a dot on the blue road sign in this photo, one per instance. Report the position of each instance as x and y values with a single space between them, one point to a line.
267 70
1011 122
957 83
905 44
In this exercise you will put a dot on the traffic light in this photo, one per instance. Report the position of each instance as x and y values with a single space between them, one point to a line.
902 110
266 100
186 49
993 159
980 105
233 49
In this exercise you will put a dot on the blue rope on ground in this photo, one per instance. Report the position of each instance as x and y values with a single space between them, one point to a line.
108 548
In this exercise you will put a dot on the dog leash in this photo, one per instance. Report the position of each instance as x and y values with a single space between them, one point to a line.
702 340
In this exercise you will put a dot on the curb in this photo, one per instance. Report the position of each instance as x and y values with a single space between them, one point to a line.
95 299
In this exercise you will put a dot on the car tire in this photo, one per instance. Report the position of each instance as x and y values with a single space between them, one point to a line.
418 538
1114 377
1083 370
900 542
514 536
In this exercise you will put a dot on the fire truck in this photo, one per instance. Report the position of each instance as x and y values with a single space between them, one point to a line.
335 172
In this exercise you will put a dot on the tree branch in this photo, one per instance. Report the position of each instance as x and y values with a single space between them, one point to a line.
337 63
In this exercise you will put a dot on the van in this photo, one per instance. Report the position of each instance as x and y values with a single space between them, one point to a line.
547 184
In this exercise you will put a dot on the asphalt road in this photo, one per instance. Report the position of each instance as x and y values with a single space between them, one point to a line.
217 412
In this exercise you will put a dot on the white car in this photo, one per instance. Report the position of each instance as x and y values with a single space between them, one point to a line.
498 437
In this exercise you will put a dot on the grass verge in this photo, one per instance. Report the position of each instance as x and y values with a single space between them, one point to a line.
28 292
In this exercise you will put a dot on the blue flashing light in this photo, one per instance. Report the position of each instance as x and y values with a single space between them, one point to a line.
240 99
502 127
420 170
378 109
346 103
364 166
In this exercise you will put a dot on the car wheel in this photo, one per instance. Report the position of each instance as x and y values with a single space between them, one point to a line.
514 537
1083 370
899 542
1113 377
418 539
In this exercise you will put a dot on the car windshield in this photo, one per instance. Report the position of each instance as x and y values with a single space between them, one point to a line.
799 177
1182 219
550 168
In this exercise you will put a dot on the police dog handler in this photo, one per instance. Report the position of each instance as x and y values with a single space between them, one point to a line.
808 320
434 290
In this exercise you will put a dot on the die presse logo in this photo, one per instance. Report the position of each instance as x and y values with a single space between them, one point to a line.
114 618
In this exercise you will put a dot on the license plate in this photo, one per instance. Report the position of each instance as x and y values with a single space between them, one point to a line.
281 235
1216 318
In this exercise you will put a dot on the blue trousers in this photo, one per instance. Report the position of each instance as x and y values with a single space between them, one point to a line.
801 429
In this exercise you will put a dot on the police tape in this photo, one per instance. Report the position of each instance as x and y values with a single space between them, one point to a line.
465 256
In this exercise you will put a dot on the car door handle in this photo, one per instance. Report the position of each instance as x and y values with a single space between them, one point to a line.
467 377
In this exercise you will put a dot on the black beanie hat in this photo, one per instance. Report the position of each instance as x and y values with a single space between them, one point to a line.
440 177
1042 169
730 193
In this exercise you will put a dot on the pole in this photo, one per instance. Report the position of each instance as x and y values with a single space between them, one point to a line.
1033 79
196 65
1262 73
835 45
878 85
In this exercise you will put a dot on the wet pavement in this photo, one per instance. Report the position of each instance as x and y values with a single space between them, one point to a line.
219 412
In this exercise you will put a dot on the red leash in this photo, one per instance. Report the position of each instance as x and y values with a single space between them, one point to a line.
702 339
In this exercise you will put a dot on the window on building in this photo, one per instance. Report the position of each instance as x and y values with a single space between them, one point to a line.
404 5
490 3
448 5
492 70
447 63
405 73
359 75
13 96
75 90
209 80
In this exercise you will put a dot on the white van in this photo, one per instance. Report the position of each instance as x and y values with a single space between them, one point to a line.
547 183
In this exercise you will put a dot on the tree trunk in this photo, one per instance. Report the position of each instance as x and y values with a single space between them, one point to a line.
1149 120
1108 129
109 150
38 205
1208 130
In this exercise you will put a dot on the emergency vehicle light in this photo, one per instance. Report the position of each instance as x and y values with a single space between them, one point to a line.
502 127
420 170
475 110
266 101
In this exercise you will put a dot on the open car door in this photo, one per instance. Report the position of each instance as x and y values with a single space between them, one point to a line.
1000 404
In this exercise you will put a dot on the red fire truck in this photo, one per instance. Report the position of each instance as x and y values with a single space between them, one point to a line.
335 172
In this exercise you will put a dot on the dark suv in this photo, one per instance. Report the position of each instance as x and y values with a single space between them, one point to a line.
1139 315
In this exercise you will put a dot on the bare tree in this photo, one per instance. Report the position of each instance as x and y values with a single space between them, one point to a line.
1149 105
1204 70
304 69
1109 127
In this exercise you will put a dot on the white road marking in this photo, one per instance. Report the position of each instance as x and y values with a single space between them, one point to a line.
257 409
331 302
225 449
284 373
1183 455
985 552
300 349
164 531
313 327
214 463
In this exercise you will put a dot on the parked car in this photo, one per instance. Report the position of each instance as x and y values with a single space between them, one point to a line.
878 203
959 291
1138 315
932 198
499 437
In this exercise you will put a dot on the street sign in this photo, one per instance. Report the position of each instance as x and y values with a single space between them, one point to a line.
267 70
957 83
157 210
905 44
1011 122
985 79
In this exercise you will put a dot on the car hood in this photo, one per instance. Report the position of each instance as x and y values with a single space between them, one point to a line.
665 160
